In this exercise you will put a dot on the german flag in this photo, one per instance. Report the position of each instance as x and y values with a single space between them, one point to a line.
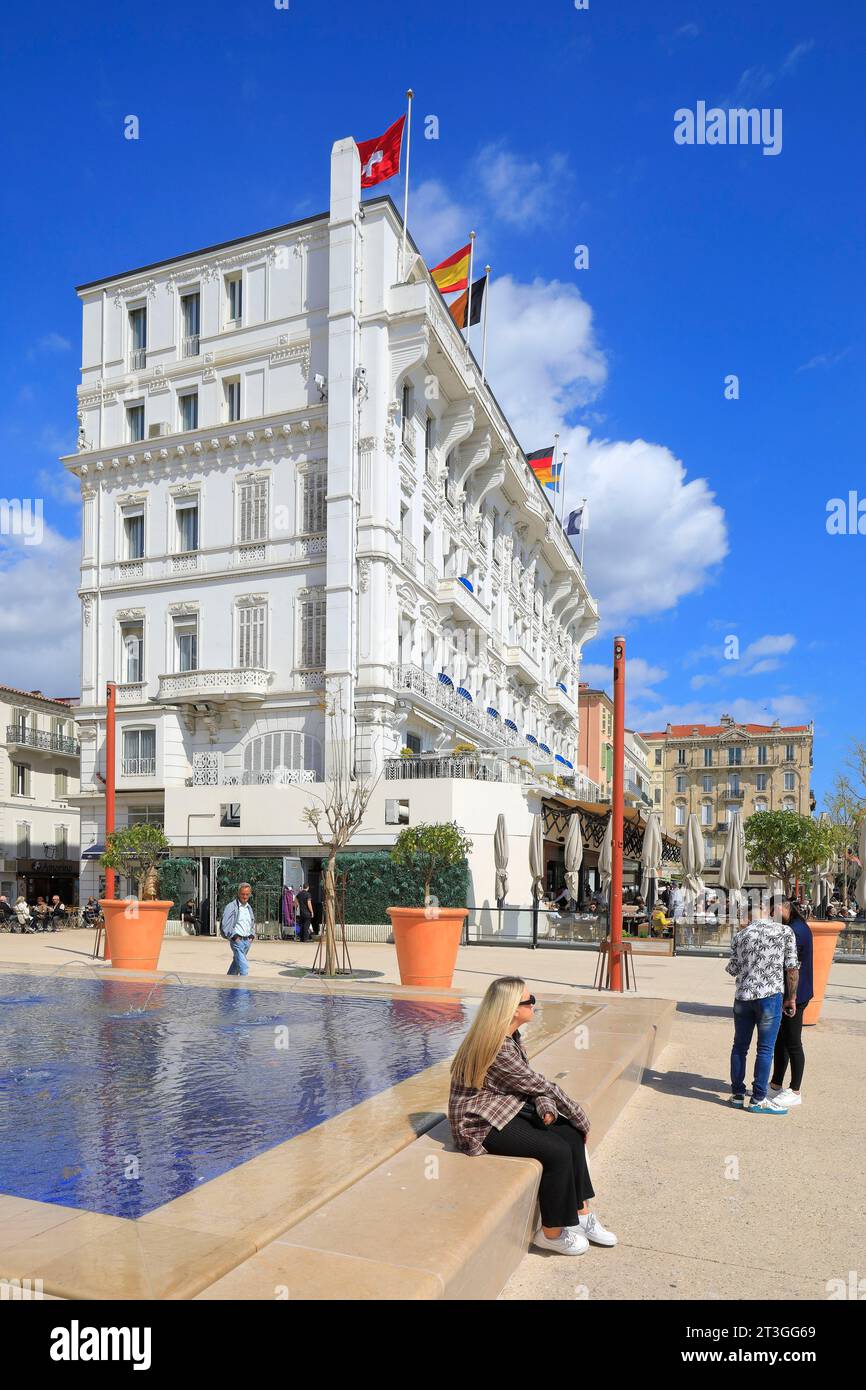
453 274
457 310
546 471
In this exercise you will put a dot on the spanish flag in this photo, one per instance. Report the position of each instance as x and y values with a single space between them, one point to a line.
453 274
457 309
546 471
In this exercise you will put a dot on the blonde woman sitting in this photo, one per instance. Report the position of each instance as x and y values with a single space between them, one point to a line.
499 1105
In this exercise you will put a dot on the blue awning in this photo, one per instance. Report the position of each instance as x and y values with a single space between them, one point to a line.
558 758
467 583
445 679
461 690
494 713
510 724
544 748
530 738
93 852
561 687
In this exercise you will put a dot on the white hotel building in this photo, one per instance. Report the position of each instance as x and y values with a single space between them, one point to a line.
296 486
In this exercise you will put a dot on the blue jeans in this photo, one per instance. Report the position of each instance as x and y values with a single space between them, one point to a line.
766 1014
240 946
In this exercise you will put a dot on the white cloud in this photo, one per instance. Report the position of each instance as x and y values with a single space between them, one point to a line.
521 191
437 222
40 614
49 342
788 709
641 678
757 659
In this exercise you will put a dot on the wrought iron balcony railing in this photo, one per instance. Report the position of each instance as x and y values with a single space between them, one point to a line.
39 738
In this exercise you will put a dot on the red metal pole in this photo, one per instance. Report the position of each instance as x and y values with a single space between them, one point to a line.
617 813
110 766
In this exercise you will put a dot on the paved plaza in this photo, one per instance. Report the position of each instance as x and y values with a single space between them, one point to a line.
708 1202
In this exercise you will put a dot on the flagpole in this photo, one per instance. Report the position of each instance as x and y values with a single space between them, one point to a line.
410 94
553 466
582 531
484 329
469 289
562 488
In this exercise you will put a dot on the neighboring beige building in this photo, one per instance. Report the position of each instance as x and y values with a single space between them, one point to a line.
595 737
40 759
712 769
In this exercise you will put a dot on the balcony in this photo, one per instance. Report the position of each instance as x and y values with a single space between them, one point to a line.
186 563
190 345
523 664
730 794
235 685
40 739
464 605
132 693
138 360
445 698
469 767
560 699
431 578
408 556
138 767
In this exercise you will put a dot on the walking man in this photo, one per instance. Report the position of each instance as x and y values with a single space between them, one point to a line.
238 926
765 965
305 911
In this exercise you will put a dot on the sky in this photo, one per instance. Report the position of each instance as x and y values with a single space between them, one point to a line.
704 370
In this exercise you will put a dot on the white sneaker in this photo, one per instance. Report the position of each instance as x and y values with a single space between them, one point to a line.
767 1107
786 1097
593 1230
570 1241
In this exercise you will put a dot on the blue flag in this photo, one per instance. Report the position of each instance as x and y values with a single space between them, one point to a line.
575 520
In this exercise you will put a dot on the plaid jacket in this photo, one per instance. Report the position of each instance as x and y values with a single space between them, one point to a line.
509 1083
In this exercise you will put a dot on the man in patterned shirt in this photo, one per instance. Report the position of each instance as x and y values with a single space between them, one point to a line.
765 963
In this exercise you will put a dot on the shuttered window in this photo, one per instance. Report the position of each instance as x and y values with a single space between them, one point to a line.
253 497
252 636
315 501
313 632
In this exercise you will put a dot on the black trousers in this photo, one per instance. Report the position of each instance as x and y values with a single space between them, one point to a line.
305 923
789 1048
561 1151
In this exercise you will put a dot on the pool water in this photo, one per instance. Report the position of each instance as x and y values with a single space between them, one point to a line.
117 1096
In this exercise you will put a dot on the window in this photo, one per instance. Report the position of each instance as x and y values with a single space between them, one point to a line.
312 613
789 752
234 300
135 423
708 848
790 783
274 757
61 841
23 840
658 753
708 757
190 317
20 779
133 533
315 509
138 339
413 741
428 443
760 781
406 408
760 803
186 644
706 813
735 757
681 757
681 783
21 716
188 404
251 629
145 815
657 795
706 784
61 784
186 516
679 814
253 510
233 398
139 752
762 755
788 804
734 784
132 653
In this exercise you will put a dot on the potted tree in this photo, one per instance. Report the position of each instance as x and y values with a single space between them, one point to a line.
135 926
787 846
426 935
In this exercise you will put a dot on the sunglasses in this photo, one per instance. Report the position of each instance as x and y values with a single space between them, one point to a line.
527 1003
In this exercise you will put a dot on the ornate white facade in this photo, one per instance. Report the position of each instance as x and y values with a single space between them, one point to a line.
298 490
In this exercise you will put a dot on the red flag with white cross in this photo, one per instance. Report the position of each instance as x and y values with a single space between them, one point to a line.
380 158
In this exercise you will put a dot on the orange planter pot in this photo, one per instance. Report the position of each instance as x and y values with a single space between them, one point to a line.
427 946
134 931
824 938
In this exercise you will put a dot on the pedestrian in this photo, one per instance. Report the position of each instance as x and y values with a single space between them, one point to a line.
238 926
789 1040
499 1105
305 911
287 930
764 963
55 917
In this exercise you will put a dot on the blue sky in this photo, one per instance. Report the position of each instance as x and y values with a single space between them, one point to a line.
706 515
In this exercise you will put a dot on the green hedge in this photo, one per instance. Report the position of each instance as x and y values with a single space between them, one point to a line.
375 883
174 881
266 872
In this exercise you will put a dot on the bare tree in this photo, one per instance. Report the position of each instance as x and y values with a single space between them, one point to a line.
338 815
846 805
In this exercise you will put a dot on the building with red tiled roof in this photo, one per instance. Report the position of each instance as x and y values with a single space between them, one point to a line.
711 769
